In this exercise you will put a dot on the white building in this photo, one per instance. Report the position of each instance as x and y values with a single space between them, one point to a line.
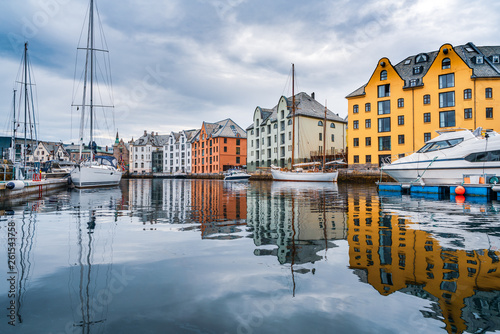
142 151
177 152
269 138
46 151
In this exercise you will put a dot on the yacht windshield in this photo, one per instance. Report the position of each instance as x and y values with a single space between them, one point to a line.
440 145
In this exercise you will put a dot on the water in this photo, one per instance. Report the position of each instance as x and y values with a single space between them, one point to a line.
208 256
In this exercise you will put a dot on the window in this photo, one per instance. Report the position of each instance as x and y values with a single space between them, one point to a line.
290 122
488 93
468 113
467 94
332 125
413 82
320 136
355 109
355 142
417 69
427 99
446 118
401 139
489 112
401 103
384 107
384 124
237 141
384 143
446 99
355 124
368 159
225 141
421 58
384 90
237 150
495 59
479 60
368 106
446 63
225 148
383 75
427 117
333 138
401 120
447 80
427 136
320 123
368 141
356 159
368 123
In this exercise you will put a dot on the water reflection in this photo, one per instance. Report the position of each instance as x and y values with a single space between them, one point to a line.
436 250
139 258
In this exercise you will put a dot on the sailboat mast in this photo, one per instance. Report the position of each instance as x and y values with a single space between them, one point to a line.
25 102
12 155
324 140
91 23
293 115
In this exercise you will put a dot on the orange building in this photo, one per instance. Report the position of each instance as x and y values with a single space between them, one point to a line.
218 147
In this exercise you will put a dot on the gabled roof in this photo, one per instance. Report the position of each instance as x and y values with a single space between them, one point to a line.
469 54
307 106
225 128
151 139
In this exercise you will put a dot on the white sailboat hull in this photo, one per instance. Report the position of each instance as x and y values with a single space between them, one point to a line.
95 176
279 175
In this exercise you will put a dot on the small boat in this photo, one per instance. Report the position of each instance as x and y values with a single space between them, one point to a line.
307 172
235 174
453 157
97 171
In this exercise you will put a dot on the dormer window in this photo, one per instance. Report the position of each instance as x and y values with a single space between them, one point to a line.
383 75
408 61
421 58
417 69
479 60
413 82
495 59
446 63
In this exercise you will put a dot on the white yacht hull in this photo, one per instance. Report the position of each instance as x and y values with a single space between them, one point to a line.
279 175
95 176
459 153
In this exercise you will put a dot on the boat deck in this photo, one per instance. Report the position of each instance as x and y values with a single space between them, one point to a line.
32 188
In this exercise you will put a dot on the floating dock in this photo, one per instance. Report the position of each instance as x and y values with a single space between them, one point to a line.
32 188
487 191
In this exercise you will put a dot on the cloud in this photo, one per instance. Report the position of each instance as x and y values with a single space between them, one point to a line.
216 59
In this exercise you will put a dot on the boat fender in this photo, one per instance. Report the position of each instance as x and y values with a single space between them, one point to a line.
17 184
493 180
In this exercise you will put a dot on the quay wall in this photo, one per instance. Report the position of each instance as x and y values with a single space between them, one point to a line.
345 175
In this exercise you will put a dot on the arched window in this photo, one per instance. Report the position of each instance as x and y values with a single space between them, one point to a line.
320 123
446 63
332 125
383 75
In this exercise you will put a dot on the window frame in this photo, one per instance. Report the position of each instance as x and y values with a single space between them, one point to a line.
444 121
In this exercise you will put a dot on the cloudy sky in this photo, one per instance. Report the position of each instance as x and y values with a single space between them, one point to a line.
176 63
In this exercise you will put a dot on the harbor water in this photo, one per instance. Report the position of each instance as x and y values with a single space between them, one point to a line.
211 256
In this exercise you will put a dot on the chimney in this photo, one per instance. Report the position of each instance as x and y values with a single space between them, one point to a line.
313 96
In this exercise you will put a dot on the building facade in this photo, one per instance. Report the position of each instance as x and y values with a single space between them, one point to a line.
218 146
46 151
270 136
177 152
402 105
121 152
141 152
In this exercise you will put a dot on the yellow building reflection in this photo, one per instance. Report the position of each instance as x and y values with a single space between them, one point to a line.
390 252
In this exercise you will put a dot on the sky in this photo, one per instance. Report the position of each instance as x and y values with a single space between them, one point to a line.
177 63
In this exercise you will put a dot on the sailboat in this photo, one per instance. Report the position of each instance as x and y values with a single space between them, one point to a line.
97 171
308 171
22 171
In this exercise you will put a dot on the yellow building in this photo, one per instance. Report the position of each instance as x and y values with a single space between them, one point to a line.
402 105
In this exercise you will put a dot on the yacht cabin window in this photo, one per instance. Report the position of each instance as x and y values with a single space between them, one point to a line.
440 145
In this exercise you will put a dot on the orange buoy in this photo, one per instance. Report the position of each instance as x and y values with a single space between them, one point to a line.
459 190
460 199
